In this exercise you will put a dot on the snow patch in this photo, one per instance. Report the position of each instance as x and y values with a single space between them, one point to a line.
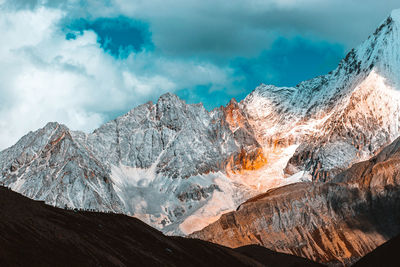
165 202
227 199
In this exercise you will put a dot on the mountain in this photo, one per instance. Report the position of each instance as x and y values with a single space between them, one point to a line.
160 162
35 234
179 167
50 165
334 222
337 119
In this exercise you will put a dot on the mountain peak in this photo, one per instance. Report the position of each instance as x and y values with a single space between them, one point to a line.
169 97
52 126
233 102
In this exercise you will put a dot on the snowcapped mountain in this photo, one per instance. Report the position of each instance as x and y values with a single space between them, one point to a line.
338 119
335 121
160 162
179 167
50 165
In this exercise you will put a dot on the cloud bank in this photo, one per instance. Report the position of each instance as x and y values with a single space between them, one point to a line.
82 63
78 81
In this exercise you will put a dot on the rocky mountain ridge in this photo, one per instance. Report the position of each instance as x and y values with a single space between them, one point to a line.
337 119
140 163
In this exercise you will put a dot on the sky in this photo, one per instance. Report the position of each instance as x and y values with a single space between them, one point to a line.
84 62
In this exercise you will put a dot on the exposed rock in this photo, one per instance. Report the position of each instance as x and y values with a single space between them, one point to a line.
195 192
49 165
338 221
180 140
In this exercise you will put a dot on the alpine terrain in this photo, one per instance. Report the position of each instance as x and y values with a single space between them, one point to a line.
179 167
336 222
351 205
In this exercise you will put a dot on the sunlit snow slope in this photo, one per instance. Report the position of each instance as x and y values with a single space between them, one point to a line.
338 119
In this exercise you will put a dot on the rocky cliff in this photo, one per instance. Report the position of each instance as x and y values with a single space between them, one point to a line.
332 222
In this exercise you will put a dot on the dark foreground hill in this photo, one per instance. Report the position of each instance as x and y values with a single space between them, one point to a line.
35 234
385 255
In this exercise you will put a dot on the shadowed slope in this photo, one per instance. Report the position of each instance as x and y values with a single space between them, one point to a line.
274 258
384 255
34 234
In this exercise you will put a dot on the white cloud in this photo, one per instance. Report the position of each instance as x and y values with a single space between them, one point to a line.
245 27
45 77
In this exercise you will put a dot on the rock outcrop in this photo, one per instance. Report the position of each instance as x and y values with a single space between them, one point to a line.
384 255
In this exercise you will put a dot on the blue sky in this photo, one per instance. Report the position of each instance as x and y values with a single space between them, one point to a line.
118 36
83 62
285 62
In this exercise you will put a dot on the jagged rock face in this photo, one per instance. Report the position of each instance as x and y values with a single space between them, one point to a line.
368 122
338 119
384 255
180 140
49 165
251 156
337 221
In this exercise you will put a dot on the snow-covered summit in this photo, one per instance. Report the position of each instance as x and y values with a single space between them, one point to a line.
339 118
